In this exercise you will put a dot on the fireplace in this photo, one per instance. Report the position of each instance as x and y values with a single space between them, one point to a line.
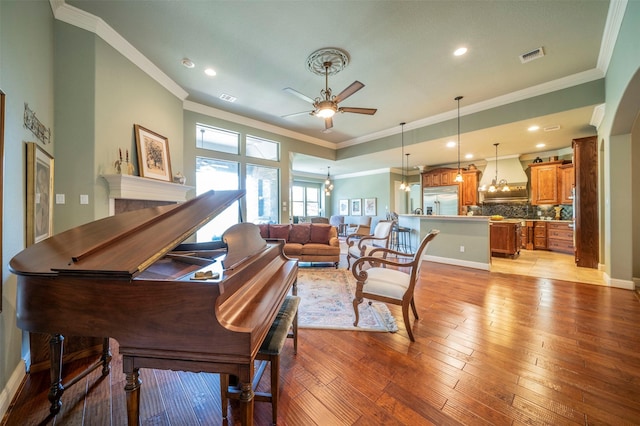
127 193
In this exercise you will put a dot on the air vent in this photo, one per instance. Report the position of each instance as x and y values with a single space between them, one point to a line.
530 56
227 98
552 128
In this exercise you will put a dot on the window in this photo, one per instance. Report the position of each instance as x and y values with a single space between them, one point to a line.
263 148
305 199
215 139
218 175
262 194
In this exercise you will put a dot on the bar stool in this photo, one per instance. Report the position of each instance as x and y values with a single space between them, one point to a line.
402 239
284 326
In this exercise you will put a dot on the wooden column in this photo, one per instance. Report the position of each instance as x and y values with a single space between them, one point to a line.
585 160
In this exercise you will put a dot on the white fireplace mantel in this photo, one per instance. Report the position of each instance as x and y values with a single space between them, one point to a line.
139 188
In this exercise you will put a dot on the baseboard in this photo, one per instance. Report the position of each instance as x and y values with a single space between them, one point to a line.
457 262
12 387
614 282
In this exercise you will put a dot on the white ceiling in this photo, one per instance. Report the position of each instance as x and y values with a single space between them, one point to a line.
401 51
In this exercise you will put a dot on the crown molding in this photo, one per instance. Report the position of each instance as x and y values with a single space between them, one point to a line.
88 22
598 115
239 119
616 12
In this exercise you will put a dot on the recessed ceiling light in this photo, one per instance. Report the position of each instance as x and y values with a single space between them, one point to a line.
451 144
210 72
533 128
468 156
540 145
188 63
460 51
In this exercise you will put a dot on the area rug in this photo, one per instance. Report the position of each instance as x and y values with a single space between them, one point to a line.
327 303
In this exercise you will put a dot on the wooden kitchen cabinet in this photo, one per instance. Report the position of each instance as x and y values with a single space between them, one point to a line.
539 235
585 160
526 232
469 189
505 238
439 177
544 183
560 237
567 181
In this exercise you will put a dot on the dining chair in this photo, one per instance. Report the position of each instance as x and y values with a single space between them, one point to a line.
391 280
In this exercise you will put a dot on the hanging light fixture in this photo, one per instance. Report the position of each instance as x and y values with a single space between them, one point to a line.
459 175
402 184
407 187
498 185
328 186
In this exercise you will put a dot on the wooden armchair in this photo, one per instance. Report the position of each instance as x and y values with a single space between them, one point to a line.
390 285
362 245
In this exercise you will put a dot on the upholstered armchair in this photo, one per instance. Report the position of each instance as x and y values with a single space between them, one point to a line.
388 284
360 225
362 245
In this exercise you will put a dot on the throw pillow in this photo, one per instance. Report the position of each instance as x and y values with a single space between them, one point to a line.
279 231
264 230
300 233
320 233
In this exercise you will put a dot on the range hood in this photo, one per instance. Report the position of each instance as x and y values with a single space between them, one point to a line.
510 169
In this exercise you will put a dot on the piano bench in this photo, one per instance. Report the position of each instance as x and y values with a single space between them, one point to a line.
284 326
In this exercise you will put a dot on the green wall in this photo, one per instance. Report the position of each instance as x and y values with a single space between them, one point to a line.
26 75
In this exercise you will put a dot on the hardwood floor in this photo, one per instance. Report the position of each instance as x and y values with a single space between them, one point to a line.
491 348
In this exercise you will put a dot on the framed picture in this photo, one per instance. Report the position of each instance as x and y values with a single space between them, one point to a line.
356 207
39 194
369 206
153 154
343 207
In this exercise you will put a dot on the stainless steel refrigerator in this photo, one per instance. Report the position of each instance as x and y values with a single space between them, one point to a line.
440 200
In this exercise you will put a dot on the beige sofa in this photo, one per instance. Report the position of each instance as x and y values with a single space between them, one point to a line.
307 242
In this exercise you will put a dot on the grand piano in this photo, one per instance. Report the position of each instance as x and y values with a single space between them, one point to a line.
169 304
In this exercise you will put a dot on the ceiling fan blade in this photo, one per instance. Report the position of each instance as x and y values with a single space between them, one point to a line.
353 88
295 114
328 123
368 111
294 92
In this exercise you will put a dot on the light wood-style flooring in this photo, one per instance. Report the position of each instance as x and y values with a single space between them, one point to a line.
491 348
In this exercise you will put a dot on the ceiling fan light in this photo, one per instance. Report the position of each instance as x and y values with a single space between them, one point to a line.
326 109
326 113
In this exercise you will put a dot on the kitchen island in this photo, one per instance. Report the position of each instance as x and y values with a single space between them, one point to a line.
463 240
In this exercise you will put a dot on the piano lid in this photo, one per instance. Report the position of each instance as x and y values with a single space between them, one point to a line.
122 245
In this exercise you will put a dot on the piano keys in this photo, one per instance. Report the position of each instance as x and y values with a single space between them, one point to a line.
191 307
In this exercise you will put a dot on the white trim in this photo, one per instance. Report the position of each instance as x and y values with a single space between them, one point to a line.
138 188
614 282
520 95
457 262
86 21
239 119
12 387
598 115
615 15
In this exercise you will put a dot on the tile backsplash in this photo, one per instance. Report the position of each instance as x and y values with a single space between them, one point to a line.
522 210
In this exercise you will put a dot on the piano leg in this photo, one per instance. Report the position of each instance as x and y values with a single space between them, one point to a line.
132 388
246 403
56 389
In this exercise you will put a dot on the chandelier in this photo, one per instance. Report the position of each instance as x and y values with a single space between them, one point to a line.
328 186
498 185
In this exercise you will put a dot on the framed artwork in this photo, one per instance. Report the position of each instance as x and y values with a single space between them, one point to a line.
39 194
369 206
343 207
356 207
153 154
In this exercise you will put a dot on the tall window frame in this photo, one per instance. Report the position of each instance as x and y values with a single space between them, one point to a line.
306 199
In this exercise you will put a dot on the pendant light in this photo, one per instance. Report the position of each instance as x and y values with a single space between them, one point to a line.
402 184
328 186
502 184
459 175
407 187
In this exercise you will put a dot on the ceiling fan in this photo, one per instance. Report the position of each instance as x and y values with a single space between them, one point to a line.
326 105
